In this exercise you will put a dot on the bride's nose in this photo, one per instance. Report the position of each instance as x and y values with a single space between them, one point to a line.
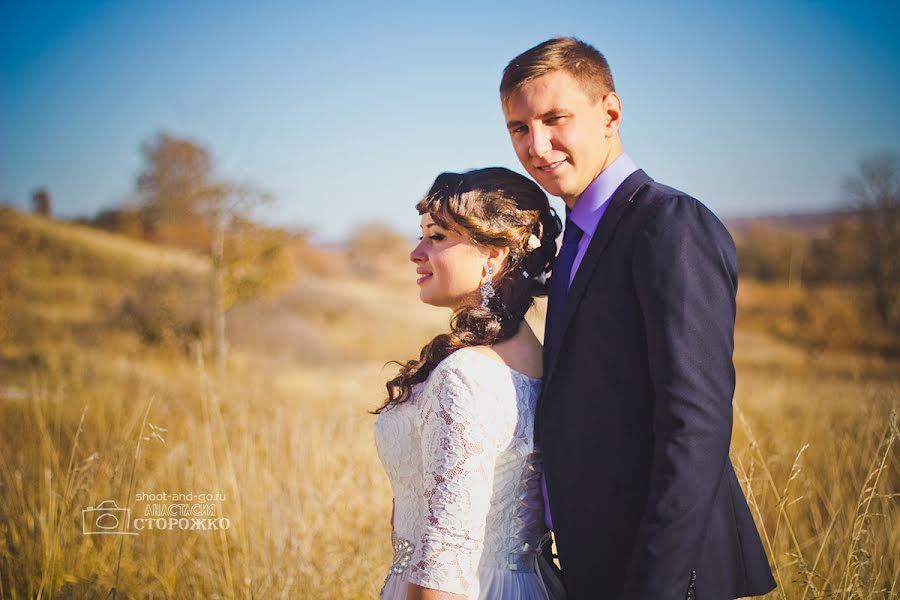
417 255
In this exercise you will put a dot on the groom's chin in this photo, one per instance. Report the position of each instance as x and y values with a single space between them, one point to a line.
550 184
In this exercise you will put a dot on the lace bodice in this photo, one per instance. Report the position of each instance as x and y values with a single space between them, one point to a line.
462 464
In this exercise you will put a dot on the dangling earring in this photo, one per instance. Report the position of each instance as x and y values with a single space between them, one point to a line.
487 290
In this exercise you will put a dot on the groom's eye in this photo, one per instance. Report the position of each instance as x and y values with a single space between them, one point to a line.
520 129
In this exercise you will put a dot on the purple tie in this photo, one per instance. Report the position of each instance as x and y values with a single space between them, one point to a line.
559 281
559 289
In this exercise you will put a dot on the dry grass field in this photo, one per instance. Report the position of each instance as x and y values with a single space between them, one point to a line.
99 401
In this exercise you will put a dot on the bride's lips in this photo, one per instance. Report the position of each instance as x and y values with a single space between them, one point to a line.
425 276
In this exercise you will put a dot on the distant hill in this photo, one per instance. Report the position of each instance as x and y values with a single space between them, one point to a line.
819 222
68 284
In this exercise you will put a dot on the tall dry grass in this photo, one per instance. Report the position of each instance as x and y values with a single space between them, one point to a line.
817 457
292 452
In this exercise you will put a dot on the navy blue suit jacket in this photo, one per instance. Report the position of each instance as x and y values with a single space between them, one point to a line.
635 417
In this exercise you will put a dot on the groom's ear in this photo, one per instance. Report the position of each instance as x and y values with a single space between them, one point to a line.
611 106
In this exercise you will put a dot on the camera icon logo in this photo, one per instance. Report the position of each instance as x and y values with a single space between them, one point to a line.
106 519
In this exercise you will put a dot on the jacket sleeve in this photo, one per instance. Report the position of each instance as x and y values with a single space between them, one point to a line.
685 277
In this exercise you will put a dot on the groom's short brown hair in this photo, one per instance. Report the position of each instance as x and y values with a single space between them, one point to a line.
580 60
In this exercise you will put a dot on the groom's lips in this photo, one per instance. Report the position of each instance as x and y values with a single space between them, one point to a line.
550 167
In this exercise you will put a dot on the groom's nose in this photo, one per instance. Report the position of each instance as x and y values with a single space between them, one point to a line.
540 141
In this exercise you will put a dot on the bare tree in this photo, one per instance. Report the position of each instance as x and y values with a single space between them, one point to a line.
875 189
40 201
177 172
240 274
246 259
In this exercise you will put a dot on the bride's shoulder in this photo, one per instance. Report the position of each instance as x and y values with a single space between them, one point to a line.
480 367
488 351
517 355
469 360
463 370
458 363
453 385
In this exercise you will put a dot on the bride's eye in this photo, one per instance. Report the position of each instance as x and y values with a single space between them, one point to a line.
436 237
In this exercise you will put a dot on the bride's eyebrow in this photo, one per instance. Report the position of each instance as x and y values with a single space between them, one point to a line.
445 222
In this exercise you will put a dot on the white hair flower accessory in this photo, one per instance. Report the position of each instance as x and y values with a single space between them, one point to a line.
533 242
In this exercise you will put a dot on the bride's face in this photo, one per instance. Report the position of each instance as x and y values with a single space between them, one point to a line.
450 265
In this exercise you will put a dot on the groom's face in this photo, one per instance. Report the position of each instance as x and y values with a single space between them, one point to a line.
562 137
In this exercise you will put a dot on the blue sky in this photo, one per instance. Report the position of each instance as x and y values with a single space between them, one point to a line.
346 111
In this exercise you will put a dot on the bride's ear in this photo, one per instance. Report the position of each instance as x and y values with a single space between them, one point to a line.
497 258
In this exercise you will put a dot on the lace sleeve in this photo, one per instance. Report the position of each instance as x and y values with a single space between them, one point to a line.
458 456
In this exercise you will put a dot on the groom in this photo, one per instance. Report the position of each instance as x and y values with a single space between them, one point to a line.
635 419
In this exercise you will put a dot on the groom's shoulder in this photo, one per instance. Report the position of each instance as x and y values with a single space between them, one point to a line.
665 207
661 198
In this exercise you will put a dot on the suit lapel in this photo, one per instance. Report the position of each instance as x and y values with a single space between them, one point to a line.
619 204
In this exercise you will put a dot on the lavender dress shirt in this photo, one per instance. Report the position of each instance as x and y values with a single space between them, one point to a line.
586 215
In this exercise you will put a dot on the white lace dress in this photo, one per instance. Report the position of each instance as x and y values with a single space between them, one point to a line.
468 510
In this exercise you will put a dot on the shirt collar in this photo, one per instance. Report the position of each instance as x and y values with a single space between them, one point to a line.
592 203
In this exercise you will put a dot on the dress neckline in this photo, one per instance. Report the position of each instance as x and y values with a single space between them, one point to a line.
499 364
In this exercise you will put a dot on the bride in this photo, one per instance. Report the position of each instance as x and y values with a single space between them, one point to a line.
455 434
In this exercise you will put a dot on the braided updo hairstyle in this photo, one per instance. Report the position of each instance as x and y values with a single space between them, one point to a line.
496 208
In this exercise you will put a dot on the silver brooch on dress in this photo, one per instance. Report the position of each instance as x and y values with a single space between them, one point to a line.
403 551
